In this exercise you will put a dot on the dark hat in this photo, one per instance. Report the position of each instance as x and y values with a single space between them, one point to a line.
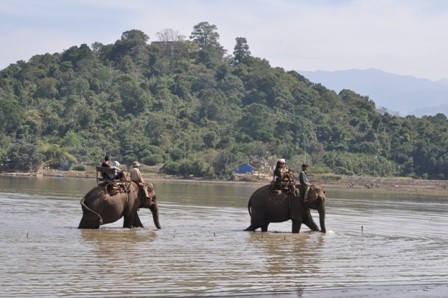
106 157
304 165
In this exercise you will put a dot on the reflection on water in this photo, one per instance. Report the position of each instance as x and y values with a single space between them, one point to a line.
374 241
291 259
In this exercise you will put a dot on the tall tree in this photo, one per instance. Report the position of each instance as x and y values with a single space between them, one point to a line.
206 38
241 50
205 35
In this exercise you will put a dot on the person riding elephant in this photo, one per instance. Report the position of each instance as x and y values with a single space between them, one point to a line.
136 176
265 207
304 183
100 207
115 165
282 177
106 162
278 173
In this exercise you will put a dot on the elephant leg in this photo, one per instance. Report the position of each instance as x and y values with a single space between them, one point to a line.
309 222
137 222
264 227
129 220
255 224
88 222
250 229
258 223
296 225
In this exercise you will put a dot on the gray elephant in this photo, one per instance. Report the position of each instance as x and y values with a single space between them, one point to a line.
100 206
266 206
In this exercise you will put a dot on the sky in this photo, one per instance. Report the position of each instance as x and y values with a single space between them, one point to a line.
404 37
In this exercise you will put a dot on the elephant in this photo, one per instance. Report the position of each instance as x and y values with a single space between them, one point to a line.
101 207
266 206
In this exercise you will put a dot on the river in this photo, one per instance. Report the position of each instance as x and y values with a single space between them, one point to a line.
377 245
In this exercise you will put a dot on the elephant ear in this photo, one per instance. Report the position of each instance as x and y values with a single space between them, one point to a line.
150 187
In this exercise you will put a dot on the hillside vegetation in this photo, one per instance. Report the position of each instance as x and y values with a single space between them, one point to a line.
192 108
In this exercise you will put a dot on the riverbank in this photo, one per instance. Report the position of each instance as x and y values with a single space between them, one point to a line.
328 181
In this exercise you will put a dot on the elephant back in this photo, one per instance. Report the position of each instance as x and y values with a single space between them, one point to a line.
96 193
267 190
265 195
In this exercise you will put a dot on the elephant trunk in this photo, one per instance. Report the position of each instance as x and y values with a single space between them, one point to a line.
321 211
156 220
155 216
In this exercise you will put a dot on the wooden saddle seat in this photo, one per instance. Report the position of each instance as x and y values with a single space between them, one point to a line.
105 174
112 180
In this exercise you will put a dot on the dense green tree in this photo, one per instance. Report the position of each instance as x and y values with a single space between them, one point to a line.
257 123
12 115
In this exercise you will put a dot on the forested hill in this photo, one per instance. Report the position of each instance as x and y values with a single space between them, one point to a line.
195 108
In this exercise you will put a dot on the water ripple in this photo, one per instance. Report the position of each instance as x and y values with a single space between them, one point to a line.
202 250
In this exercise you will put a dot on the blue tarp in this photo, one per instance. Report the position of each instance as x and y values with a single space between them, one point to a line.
244 168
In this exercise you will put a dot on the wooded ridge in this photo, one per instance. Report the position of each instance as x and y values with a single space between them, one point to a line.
193 109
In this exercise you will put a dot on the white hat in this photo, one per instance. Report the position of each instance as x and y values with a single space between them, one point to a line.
282 160
116 163
135 164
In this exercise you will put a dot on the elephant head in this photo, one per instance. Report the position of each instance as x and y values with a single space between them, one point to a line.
148 199
316 200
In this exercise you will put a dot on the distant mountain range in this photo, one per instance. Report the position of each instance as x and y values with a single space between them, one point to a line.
402 95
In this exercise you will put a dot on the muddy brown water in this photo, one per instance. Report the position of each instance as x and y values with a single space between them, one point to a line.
381 245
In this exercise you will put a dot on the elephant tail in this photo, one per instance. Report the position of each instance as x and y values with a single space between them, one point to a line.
249 204
87 208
